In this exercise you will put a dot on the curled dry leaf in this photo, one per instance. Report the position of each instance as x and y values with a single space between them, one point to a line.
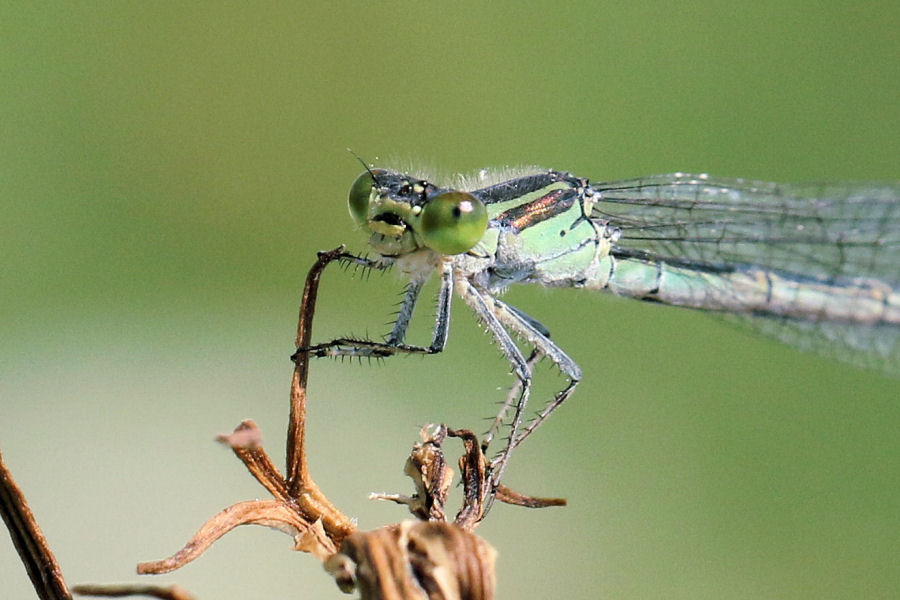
268 513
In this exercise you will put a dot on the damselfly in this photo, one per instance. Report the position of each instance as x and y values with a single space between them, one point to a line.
817 266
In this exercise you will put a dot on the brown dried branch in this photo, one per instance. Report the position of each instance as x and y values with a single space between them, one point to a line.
430 474
301 487
476 483
508 496
30 543
246 443
171 592
269 513
299 508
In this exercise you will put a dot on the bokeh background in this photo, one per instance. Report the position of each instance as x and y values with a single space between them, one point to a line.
168 170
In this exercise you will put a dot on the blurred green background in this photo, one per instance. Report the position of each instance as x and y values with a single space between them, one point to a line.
168 170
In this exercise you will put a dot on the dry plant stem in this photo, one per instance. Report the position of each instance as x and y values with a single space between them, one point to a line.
299 507
308 500
269 513
246 443
477 485
296 435
508 496
30 543
172 592
301 487
476 482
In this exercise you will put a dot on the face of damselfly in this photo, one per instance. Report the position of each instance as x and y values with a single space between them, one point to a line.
404 214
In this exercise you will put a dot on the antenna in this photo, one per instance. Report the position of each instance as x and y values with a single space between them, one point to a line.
363 163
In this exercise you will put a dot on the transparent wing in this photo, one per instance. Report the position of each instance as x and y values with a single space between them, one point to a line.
825 232
874 347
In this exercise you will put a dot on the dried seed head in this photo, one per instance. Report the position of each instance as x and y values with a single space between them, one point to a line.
415 560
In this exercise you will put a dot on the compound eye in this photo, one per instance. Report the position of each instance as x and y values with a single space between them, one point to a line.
453 222
360 194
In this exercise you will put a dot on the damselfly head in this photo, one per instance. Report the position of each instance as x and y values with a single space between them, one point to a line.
405 214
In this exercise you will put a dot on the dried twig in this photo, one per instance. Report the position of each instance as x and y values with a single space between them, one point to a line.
299 507
171 592
432 477
30 543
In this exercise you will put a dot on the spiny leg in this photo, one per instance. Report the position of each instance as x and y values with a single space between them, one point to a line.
404 315
442 318
560 397
539 336
511 399
346 259
536 334
485 307
394 343
515 390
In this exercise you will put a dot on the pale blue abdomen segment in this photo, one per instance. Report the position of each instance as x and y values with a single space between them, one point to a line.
754 291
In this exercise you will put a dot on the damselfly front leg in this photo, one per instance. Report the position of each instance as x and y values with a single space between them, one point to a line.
394 342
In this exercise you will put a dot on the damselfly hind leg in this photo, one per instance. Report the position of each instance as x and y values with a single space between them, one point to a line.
501 319
512 399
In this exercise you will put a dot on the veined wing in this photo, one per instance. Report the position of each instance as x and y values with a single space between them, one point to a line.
823 233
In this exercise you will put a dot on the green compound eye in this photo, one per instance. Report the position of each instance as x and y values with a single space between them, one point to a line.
360 193
453 222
